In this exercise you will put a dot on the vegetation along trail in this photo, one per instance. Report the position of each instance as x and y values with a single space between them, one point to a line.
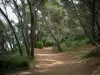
50 63
49 37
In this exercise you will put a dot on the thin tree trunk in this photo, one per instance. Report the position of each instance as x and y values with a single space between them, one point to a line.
49 29
32 30
9 40
11 26
7 36
93 20
78 15
98 27
25 23
21 23
4 7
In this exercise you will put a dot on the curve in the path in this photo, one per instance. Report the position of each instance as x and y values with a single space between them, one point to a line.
50 63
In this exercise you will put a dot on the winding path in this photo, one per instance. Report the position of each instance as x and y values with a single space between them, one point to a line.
50 63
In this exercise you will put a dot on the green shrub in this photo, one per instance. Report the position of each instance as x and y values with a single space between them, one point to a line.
12 62
63 46
39 44
48 44
72 42
76 42
93 53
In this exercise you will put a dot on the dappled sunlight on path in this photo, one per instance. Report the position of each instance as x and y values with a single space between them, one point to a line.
50 63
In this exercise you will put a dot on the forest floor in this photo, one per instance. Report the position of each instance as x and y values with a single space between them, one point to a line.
48 62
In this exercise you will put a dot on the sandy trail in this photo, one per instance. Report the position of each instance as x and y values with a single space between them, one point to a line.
50 63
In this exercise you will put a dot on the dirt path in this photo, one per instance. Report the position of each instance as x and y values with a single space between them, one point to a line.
50 63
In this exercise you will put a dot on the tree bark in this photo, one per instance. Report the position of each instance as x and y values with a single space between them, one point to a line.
22 24
78 15
49 29
25 24
11 26
32 30
93 21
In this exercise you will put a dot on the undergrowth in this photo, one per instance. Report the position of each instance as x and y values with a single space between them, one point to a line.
93 53
13 62
72 42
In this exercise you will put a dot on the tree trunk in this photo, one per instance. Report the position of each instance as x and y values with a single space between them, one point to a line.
93 21
78 15
11 26
49 29
32 30
22 23
25 24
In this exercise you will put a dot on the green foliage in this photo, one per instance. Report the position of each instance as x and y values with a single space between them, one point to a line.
49 44
13 62
76 41
44 1
39 44
93 53
72 42
63 46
